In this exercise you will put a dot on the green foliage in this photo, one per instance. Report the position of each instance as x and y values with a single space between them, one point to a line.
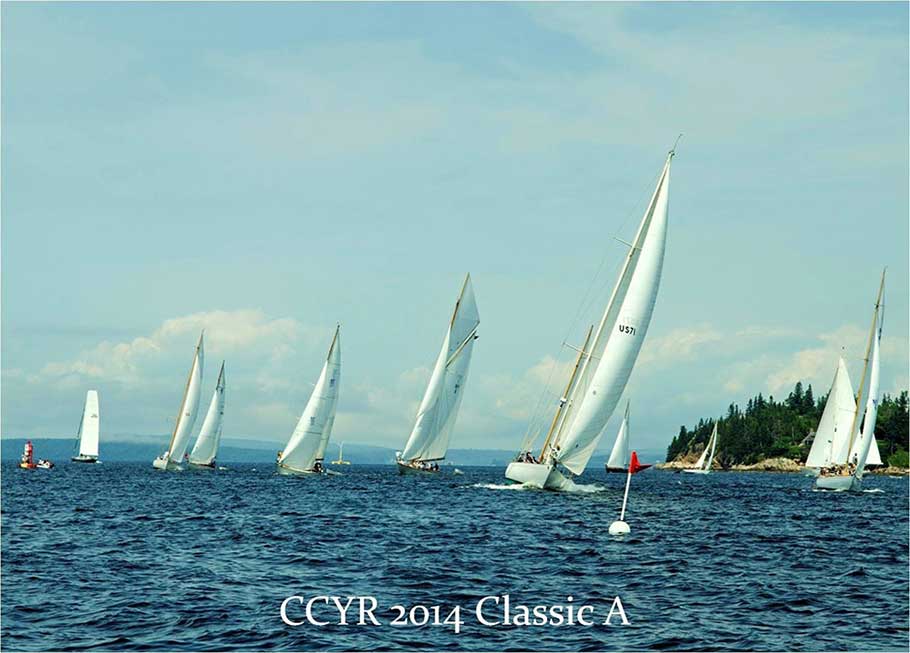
768 429
899 458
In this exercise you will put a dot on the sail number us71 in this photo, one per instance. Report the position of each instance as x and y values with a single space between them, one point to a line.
489 611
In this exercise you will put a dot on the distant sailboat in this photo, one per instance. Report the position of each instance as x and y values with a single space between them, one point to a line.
206 448
341 460
849 475
601 371
89 430
172 458
620 452
429 439
703 465
305 451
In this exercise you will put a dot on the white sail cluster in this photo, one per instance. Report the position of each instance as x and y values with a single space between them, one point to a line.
305 451
206 447
429 438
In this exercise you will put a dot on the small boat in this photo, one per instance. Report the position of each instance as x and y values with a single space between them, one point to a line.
305 451
605 361
89 430
44 464
341 460
206 448
620 452
429 440
849 476
703 465
172 459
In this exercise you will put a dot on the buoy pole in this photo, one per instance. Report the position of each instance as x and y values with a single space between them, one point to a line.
625 497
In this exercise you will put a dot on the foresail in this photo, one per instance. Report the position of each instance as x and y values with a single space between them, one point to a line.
713 443
318 416
438 411
619 336
867 437
833 430
90 428
619 456
700 463
188 409
206 448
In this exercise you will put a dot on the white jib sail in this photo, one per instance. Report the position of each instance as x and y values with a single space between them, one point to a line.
700 463
206 447
867 438
833 433
310 437
713 444
429 439
619 336
619 456
90 427
188 408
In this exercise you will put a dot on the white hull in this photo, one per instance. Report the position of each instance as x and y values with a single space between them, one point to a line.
290 471
167 465
193 465
537 475
811 471
695 471
404 469
85 459
839 483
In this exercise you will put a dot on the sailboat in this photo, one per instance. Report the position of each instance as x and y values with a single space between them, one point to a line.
89 429
341 460
833 433
206 448
620 452
703 464
429 439
305 451
171 459
605 361
849 475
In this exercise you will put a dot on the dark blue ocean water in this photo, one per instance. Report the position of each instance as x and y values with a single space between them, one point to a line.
119 556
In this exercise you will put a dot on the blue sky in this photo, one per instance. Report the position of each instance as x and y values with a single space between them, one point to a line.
267 170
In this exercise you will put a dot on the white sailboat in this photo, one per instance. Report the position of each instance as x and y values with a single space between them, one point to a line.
172 458
206 448
429 439
833 433
305 451
341 460
89 430
601 371
704 462
849 475
619 455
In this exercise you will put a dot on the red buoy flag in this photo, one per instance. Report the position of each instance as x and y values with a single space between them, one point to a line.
635 466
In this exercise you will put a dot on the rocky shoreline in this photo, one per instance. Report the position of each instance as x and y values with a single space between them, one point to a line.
782 465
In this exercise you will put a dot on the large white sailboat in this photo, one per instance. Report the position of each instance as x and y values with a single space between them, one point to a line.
305 451
89 430
619 455
172 458
606 360
849 475
206 448
704 462
833 433
429 440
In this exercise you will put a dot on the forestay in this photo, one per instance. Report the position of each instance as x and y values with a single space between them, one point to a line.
833 434
619 336
206 448
90 426
310 437
429 439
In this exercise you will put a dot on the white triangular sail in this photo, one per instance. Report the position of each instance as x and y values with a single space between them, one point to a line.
619 337
309 439
189 407
700 463
710 460
866 438
206 447
833 433
90 426
619 456
429 439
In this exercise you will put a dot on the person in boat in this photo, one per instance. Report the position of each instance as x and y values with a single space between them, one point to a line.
436 467
317 467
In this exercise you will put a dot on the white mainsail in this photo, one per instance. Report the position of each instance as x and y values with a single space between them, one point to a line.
706 459
429 439
307 444
833 433
206 447
187 415
619 337
619 456
867 438
90 426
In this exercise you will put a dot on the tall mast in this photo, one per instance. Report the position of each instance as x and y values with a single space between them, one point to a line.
581 354
862 380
